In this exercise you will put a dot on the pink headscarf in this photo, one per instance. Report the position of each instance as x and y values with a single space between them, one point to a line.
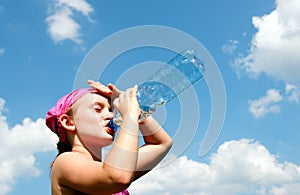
60 108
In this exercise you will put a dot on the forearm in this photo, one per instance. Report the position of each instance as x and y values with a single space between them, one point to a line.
121 161
157 145
153 133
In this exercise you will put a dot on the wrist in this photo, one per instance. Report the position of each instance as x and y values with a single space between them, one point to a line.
149 126
129 126
130 118
146 120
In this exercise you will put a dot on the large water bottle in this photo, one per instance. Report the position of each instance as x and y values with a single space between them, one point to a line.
169 81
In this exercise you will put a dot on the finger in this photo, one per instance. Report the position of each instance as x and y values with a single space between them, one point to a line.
128 92
135 89
91 81
100 87
96 84
122 97
116 103
114 89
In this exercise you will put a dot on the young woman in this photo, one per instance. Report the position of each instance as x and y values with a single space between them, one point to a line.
81 120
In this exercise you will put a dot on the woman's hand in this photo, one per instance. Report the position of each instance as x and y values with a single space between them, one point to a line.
115 91
127 104
111 90
101 88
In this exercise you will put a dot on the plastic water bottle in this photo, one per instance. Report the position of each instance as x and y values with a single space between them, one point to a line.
168 82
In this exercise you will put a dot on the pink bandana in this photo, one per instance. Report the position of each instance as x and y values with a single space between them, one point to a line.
60 108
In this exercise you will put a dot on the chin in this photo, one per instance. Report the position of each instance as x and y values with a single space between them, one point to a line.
108 142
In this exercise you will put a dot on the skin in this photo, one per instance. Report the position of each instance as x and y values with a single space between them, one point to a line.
79 172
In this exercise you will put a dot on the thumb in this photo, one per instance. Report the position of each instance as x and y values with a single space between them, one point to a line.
116 103
116 92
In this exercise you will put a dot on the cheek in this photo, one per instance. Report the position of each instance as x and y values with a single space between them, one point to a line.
89 118
90 131
88 123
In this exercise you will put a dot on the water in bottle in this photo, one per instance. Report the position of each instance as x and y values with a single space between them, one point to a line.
168 82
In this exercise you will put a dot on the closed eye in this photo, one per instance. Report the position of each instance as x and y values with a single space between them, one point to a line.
97 108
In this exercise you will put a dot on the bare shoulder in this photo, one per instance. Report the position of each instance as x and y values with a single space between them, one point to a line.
69 162
75 172
70 156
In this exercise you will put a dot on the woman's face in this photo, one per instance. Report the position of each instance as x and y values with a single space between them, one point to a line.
92 115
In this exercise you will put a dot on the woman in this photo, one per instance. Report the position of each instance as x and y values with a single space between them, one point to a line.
81 120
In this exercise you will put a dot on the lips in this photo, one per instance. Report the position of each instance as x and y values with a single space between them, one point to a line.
112 125
110 131
110 128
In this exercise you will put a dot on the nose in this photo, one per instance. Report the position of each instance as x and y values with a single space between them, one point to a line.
109 114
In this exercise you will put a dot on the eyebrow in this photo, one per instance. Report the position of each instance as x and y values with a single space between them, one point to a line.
102 104
103 95
97 103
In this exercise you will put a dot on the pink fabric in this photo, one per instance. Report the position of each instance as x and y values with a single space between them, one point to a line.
60 108
125 192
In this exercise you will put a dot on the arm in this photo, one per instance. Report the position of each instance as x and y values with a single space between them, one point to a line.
122 158
157 144
157 141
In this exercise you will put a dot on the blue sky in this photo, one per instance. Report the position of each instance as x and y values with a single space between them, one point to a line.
254 43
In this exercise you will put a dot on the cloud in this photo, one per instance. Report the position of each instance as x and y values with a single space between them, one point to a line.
19 145
266 104
293 93
238 166
2 50
230 47
61 23
275 47
270 103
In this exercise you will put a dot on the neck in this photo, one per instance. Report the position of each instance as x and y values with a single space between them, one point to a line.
87 153
87 150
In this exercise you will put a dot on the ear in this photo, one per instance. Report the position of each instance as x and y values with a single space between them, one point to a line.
67 122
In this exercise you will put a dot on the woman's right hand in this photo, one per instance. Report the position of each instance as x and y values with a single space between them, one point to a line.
127 104
115 91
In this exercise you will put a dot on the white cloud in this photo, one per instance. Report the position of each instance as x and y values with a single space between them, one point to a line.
78 5
275 47
19 145
230 47
270 103
266 104
239 166
292 92
2 50
61 24
286 189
